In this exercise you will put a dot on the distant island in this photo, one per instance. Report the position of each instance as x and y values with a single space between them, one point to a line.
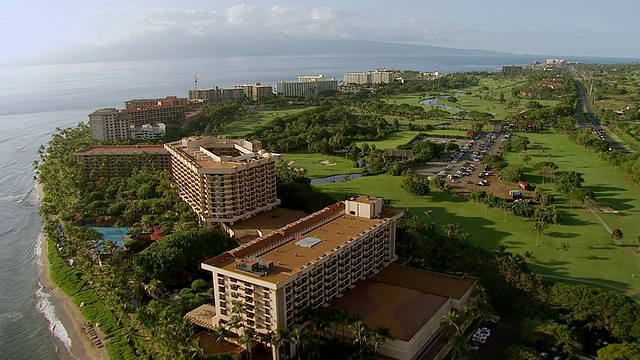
187 47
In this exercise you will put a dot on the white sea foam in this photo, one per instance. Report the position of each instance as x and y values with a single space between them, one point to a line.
44 306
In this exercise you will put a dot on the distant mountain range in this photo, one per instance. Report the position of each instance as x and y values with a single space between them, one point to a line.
195 47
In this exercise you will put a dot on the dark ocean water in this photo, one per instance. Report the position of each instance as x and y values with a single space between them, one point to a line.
34 100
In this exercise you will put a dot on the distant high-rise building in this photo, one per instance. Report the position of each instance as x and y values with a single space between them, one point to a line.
511 70
109 124
137 104
224 181
216 94
311 78
370 77
310 85
170 110
256 91
147 131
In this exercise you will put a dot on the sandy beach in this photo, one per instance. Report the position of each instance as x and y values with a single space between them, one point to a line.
69 314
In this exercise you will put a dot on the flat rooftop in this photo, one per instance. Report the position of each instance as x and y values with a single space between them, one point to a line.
403 310
269 221
426 281
122 150
215 153
402 298
290 258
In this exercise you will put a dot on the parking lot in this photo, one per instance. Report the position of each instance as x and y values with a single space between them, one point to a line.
463 170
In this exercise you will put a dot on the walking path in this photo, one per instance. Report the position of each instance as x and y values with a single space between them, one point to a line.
597 283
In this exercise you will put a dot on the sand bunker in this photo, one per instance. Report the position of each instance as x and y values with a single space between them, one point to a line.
327 163
289 163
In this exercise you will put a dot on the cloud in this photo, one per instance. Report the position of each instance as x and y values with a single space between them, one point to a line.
126 24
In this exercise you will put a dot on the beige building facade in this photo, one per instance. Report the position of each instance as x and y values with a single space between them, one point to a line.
370 77
216 94
224 181
256 91
310 85
109 124
305 264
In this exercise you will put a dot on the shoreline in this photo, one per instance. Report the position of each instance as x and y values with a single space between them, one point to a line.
67 312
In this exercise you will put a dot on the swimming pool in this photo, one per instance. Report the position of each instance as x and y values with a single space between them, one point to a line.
115 234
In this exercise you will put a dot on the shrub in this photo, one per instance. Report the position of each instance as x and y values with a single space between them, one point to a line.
617 234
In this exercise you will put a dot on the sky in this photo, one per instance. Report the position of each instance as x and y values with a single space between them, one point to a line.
30 28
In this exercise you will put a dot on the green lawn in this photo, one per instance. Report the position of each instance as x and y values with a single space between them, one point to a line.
610 186
592 255
393 140
246 124
315 168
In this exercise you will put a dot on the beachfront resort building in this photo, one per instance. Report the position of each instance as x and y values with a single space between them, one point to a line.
110 161
338 257
308 85
109 124
256 91
147 131
152 103
304 264
370 77
170 110
224 181
216 94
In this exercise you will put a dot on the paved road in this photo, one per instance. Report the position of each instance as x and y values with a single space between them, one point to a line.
591 117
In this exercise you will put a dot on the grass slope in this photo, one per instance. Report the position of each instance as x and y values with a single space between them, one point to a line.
592 255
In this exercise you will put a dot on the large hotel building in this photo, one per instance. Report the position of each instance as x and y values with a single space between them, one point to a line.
371 77
309 85
224 181
216 94
304 264
339 257
109 124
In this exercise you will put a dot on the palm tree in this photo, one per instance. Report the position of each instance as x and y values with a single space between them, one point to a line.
459 347
268 339
221 333
360 334
319 321
456 321
451 229
538 227
282 339
296 339
340 317
248 339
155 289
564 247
501 249
450 322
196 349
378 338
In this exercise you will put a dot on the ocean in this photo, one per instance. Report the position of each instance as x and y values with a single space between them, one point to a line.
35 100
